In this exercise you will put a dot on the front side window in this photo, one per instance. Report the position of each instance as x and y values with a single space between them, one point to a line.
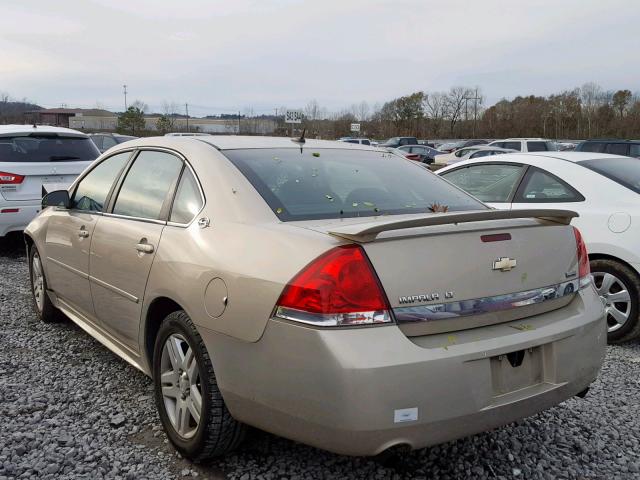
489 183
47 148
91 192
512 145
541 146
597 147
540 186
188 201
147 184
340 183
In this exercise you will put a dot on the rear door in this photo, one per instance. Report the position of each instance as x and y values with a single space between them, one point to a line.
69 234
125 242
37 159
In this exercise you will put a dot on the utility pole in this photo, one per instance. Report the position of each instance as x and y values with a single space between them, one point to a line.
238 122
186 107
124 87
475 99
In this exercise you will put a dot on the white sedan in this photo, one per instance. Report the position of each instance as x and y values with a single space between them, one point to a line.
603 189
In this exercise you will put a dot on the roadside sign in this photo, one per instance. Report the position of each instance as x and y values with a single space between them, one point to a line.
293 116
355 127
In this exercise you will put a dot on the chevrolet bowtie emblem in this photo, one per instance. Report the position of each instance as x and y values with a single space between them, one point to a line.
504 264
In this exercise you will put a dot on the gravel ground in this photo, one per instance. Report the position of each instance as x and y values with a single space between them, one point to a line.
71 409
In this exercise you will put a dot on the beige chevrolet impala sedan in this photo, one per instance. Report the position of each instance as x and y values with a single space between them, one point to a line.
331 293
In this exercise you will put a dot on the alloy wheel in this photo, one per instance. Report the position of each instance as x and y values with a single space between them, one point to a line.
37 279
616 297
181 386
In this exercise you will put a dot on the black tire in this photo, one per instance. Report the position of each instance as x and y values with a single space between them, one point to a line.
218 432
47 313
631 328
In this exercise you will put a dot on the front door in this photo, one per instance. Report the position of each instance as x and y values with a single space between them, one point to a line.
70 233
125 243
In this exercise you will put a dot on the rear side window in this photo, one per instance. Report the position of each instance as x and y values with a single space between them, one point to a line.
366 142
91 192
338 183
188 201
109 142
145 188
512 145
487 182
542 187
47 148
625 171
97 139
618 148
634 150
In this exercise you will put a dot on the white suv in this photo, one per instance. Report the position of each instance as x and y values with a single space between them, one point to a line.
32 156
526 144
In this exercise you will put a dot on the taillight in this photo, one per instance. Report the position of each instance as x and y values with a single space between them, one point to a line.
584 271
339 288
412 156
10 178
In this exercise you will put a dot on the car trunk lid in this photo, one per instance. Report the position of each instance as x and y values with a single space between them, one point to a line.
452 271
35 175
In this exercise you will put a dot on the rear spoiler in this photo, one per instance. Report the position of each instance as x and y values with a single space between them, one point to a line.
368 231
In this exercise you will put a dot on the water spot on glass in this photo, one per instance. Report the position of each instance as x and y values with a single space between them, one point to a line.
329 197
376 209
297 180
315 154
368 204
279 210
354 204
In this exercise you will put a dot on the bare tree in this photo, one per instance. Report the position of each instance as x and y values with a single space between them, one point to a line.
591 96
455 103
435 108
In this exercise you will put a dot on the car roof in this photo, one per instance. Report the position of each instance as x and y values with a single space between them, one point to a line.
235 142
531 158
522 139
12 129
610 140
231 142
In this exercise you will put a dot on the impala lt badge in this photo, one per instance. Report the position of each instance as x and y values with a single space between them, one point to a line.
425 297
504 264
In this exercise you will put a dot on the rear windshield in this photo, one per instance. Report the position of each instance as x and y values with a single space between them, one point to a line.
538 146
625 171
43 148
337 183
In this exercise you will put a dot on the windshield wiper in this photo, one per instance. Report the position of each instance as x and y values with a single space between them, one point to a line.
58 158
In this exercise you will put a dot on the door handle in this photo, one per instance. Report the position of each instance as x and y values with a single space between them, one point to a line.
82 233
144 248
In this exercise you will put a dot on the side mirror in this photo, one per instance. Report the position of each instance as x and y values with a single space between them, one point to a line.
57 198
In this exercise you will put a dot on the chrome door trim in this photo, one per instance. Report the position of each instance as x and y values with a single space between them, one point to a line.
139 219
120 292
69 268
480 306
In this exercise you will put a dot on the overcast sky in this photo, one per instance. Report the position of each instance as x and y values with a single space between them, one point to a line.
225 56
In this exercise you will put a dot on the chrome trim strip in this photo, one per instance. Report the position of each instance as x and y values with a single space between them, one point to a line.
479 306
138 219
108 286
67 267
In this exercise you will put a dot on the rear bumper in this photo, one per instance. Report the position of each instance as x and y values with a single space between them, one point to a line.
361 391
17 221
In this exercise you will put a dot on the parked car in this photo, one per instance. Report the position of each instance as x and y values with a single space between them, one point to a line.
361 141
428 143
398 142
284 285
628 148
32 156
104 141
603 189
453 146
566 146
477 151
526 144
424 154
